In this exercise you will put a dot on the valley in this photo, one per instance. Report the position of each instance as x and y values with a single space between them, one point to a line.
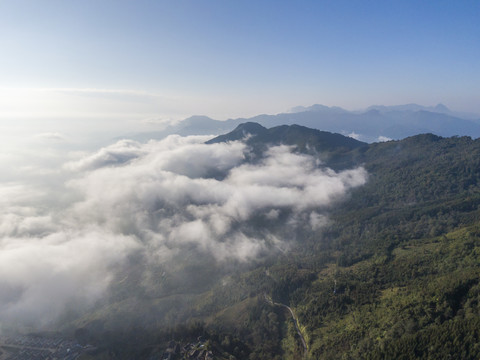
394 271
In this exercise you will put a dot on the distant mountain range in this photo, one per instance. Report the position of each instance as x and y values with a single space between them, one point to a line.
377 123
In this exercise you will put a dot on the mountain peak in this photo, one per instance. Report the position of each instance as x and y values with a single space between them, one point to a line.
317 108
250 127
302 137
241 132
441 108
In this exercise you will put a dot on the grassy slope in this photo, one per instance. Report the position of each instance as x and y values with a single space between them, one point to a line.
423 304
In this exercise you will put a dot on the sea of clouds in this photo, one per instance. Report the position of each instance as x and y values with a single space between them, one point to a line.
63 240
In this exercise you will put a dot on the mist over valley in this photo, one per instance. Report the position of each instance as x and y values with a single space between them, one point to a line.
194 234
157 206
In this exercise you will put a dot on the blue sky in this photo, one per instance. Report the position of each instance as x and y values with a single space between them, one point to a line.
163 60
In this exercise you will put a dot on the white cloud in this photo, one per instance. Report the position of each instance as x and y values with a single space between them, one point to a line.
119 153
160 123
44 274
159 199
383 138
50 136
200 195
317 221
354 135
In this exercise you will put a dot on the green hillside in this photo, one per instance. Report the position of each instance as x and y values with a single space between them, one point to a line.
324 144
395 275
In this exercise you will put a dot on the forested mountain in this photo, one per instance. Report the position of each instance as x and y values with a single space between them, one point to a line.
394 274
306 140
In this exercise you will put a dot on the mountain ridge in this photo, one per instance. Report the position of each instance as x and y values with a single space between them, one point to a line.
374 124
303 139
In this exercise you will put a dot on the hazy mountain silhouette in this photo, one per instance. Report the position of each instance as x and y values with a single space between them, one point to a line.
377 123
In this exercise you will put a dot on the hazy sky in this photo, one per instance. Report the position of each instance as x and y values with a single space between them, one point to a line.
144 59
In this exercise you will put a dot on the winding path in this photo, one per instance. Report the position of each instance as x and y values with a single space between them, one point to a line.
295 321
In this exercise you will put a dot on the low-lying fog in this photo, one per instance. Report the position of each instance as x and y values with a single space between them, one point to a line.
70 219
